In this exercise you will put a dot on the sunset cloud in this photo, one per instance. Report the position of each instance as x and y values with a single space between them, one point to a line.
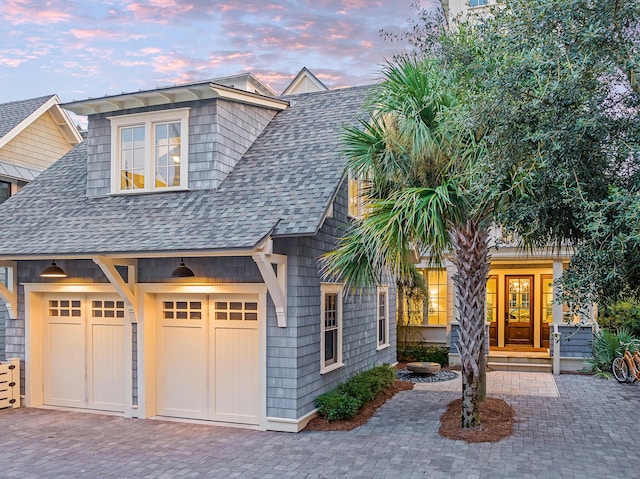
107 46
36 12
104 34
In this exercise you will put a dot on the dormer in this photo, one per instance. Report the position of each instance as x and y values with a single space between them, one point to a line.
183 137
304 82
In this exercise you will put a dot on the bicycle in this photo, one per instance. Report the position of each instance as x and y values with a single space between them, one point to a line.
626 368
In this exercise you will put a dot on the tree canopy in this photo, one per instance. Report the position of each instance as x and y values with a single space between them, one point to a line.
556 89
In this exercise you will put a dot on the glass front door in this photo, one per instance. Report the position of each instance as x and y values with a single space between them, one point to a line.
519 310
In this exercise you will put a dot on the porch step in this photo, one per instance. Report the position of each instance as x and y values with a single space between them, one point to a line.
520 364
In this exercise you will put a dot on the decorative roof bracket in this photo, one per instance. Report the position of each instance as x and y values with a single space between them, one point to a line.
9 293
276 283
125 289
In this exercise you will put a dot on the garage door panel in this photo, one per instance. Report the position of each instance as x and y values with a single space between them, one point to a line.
65 365
107 367
84 352
236 374
208 357
182 382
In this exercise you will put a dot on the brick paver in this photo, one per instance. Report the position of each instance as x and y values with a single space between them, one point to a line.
504 382
586 432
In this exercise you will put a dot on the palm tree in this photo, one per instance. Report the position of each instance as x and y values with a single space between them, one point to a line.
427 191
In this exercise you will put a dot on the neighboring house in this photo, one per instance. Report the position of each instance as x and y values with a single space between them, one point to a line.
33 134
304 82
189 226
466 8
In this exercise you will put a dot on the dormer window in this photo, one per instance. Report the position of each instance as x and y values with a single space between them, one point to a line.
149 151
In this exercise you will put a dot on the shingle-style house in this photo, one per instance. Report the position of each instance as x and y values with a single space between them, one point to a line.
188 227
33 134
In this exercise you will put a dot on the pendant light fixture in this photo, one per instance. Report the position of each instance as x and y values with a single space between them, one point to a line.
182 271
53 271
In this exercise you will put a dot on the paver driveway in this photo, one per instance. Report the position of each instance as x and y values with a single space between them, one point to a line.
586 432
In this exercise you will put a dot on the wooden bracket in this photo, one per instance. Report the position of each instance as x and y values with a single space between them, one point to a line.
9 293
125 289
276 283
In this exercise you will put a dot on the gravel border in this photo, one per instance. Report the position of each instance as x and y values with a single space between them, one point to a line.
405 375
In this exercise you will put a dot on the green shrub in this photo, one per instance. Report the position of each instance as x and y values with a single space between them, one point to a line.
606 346
334 405
422 352
345 401
623 314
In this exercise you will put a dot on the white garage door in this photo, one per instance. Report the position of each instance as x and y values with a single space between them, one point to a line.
208 357
84 352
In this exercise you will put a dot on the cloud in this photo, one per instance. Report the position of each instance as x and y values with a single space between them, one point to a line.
37 12
11 62
104 34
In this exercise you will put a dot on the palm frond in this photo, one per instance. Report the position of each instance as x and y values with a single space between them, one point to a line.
393 230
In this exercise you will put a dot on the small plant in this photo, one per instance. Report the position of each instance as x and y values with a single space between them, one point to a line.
422 352
345 401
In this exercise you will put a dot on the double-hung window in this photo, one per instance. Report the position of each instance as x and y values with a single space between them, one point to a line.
331 327
149 151
383 318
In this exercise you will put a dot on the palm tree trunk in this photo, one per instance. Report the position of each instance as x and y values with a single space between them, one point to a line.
471 246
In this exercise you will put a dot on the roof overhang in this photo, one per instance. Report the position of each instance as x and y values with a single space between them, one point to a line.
176 94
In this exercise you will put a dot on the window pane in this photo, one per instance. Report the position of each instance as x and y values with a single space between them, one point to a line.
5 191
167 155
330 339
547 299
132 146
492 299
437 300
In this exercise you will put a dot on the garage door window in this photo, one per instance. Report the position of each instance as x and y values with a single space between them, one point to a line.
64 308
107 309
182 310
236 311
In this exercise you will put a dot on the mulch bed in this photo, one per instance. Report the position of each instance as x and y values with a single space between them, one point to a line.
496 418
321 424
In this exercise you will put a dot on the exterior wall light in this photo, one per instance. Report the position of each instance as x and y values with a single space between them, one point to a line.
53 271
182 271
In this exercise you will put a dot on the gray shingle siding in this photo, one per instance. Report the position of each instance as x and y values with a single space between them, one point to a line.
236 129
574 342
296 355
220 132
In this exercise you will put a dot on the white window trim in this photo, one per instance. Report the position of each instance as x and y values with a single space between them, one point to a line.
382 290
337 289
148 120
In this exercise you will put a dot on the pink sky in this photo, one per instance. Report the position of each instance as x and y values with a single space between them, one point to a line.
81 49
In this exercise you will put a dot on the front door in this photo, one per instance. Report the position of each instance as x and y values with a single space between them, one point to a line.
519 310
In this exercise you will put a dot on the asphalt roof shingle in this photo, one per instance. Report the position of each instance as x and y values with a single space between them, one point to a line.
282 186
12 113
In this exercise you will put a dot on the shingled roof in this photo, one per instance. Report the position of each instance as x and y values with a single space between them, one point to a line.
12 113
282 186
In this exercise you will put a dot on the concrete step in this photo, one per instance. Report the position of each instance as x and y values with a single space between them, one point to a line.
521 367
501 358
